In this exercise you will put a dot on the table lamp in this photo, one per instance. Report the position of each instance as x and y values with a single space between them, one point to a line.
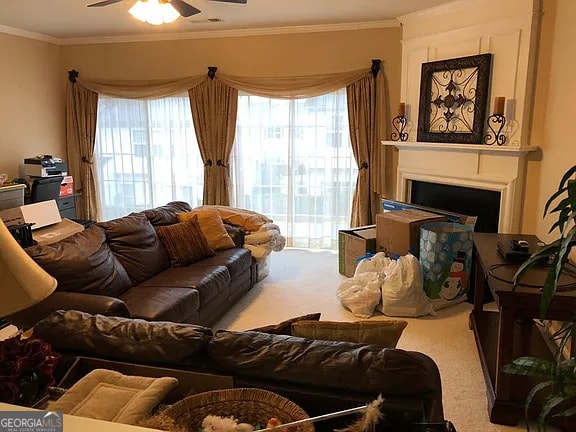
23 283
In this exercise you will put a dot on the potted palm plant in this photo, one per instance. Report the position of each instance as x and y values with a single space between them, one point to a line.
559 384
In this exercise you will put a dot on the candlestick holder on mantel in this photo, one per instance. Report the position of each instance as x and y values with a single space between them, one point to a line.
399 123
496 123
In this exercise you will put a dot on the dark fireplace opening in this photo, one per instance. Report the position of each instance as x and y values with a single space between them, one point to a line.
485 204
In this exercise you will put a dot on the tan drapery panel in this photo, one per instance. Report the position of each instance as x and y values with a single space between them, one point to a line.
361 117
367 116
214 110
150 89
81 112
293 87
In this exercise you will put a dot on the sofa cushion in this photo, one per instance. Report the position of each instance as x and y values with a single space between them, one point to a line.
122 338
383 333
285 327
235 260
162 303
166 215
83 263
325 364
184 242
134 241
209 281
212 227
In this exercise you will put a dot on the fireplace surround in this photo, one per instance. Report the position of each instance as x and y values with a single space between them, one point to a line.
499 169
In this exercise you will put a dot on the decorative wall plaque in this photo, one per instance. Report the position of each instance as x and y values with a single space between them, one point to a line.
453 99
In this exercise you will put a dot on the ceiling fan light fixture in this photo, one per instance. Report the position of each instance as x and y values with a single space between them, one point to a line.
154 12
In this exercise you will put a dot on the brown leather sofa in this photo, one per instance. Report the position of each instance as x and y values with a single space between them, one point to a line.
320 376
120 268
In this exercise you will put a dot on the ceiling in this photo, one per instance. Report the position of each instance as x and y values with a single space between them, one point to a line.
71 19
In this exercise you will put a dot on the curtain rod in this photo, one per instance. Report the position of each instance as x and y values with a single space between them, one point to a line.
376 64
73 75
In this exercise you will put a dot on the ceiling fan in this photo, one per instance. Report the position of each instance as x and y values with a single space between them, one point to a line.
183 8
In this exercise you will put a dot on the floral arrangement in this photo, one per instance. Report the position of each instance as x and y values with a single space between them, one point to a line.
26 369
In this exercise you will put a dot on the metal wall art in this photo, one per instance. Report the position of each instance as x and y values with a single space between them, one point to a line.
453 100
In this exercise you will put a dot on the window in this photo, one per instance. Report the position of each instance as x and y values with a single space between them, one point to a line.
301 172
146 154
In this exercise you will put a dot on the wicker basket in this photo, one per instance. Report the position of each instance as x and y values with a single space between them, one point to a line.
247 405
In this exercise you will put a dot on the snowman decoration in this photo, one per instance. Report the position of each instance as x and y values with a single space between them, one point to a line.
455 283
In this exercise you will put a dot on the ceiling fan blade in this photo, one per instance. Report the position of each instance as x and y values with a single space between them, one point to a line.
184 8
232 1
104 3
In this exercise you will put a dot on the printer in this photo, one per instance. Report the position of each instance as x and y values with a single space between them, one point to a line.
43 166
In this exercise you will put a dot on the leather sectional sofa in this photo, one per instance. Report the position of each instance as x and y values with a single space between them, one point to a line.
120 268
320 376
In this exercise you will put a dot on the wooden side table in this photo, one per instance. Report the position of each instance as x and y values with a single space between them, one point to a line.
511 331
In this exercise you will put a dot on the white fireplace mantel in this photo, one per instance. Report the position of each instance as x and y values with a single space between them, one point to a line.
496 168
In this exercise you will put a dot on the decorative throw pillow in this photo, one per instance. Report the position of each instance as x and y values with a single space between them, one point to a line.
212 227
184 242
247 219
285 327
383 333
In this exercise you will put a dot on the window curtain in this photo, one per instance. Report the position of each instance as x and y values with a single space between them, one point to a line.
81 110
366 102
146 154
214 110
367 128
81 114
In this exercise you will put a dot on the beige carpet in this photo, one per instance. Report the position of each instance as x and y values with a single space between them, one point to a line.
303 281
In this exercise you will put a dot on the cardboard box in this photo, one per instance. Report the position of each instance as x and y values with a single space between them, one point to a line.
354 244
56 232
39 214
391 205
67 186
398 231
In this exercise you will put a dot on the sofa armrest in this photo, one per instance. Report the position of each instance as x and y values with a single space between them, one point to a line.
61 300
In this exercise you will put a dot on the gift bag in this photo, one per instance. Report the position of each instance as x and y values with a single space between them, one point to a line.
446 258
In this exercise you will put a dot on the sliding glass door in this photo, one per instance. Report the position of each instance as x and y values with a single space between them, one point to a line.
292 160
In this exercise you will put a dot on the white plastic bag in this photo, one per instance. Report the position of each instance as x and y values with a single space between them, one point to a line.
361 294
377 263
403 289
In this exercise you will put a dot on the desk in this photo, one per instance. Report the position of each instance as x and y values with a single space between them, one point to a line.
510 332
67 206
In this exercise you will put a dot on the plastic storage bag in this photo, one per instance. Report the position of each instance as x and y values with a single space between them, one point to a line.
361 293
403 291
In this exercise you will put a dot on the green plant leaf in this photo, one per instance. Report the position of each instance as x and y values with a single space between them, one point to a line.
556 194
540 255
530 366
572 194
538 387
567 413
566 177
551 403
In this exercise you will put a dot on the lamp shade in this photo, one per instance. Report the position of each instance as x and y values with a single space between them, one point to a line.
23 283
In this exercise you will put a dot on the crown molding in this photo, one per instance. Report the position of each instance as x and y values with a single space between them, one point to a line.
29 35
210 34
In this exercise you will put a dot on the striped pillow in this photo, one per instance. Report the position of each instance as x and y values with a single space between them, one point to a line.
184 242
